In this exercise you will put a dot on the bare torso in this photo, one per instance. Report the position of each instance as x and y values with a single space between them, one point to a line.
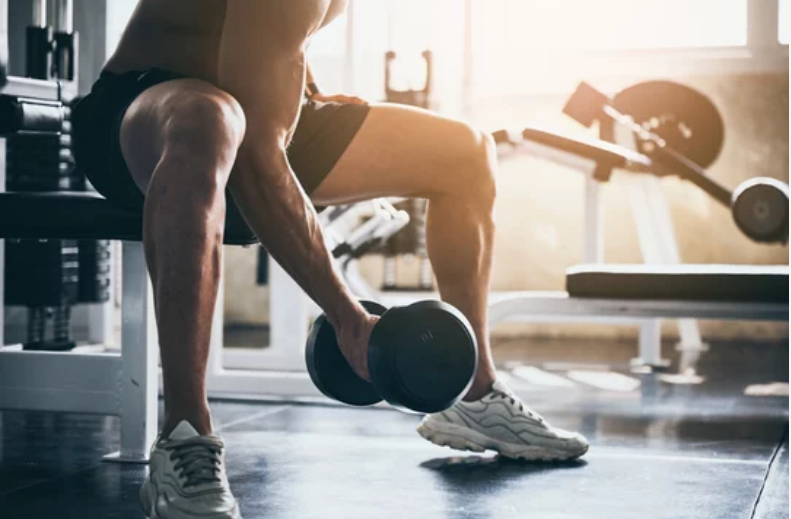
182 36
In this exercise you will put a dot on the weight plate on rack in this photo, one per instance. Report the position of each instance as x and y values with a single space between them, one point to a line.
685 118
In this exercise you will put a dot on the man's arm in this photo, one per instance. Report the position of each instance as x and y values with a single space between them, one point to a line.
311 88
262 64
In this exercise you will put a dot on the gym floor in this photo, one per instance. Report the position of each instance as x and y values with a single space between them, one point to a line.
661 448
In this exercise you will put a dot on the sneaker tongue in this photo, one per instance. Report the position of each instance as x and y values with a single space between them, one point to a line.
500 386
183 431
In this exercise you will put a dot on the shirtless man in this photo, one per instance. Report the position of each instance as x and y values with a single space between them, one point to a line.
206 97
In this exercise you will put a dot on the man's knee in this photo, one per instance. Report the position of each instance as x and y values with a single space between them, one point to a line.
478 172
208 123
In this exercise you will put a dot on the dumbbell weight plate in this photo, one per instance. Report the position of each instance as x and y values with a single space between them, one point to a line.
423 357
328 368
760 209
686 119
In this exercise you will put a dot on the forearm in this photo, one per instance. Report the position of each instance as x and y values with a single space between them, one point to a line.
262 184
311 87
282 217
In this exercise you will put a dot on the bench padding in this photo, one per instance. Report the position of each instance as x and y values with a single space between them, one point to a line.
742 283
80 215
602 152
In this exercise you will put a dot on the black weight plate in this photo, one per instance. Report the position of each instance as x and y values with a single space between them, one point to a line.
686 119
423 357
760 209
328 368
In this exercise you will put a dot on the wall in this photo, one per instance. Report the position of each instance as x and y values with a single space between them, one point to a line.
540 207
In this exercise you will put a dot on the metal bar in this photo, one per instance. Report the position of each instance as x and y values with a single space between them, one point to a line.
349 48
650 344
39 13
35 88
762 24
688 329
467 61
289 318
561 304
669 161
680 165
593 251
2 242
64 16
277 383
139 349
558 156
258 359
216 352
59 381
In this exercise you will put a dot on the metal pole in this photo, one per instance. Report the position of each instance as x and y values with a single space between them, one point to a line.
64 16
467 61
348 68
40 13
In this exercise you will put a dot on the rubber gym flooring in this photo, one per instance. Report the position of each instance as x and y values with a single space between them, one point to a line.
661 447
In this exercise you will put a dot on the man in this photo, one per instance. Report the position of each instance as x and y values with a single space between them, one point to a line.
206 96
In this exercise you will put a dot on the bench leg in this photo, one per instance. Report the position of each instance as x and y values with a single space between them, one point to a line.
691 346
139 352
650 346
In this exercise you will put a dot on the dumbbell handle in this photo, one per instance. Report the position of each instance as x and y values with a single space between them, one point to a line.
671 161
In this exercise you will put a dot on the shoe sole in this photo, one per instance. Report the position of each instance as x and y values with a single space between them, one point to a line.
145 501
149 508
465 439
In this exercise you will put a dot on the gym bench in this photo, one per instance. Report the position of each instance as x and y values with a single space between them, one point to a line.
124 384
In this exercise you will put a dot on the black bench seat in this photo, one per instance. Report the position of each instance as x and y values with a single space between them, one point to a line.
83 215
720 283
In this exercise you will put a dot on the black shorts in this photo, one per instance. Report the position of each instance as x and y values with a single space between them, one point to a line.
324 131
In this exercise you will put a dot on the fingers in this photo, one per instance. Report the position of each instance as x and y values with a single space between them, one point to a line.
355 100
340 98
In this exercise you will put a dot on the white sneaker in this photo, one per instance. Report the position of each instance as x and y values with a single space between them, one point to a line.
500 422
187 478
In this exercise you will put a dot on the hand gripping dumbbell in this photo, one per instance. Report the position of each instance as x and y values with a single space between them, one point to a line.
421 357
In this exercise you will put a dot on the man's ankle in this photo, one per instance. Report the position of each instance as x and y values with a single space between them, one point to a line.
200 421
480 387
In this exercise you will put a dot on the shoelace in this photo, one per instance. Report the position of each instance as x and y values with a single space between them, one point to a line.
514 400
197 460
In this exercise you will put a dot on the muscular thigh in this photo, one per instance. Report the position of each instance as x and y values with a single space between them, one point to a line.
400 151
163 113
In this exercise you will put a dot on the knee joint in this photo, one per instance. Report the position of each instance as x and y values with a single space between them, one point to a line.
481 165
207 122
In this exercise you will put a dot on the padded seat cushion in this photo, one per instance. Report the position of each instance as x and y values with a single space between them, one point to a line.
80 215
602 152
743 283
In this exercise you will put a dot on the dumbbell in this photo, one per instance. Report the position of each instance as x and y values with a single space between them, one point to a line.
421 357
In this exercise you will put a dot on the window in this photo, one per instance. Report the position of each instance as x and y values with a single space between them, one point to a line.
784 21
533 25
326 55
118 14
